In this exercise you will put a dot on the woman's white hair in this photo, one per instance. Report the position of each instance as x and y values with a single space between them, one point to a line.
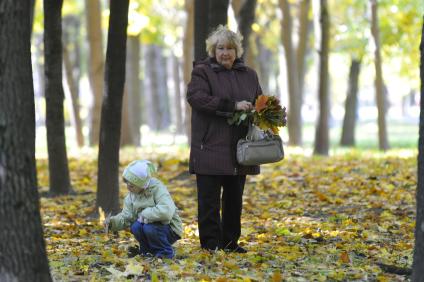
223 34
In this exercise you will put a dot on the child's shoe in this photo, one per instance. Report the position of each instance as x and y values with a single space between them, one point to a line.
133 251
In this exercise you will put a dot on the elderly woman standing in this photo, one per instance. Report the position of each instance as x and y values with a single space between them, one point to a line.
220 85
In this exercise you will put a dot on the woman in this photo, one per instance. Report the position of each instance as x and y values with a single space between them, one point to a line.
220 85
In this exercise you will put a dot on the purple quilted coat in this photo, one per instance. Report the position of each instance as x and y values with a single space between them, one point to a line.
212 94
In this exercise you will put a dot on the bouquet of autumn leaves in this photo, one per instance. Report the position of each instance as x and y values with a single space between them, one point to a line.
267 114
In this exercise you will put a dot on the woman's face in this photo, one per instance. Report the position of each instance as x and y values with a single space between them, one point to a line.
225 54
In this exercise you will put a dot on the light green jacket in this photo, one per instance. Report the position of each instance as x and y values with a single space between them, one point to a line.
154 204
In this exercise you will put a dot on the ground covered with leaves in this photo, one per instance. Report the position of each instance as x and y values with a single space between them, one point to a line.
343 218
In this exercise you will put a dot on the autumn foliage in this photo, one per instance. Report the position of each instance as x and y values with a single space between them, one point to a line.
304 219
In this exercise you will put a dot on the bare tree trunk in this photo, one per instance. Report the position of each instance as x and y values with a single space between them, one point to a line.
162 84
178 99
351 105
218 13
73 89
294 119
418 263
55 121
201 28
305 24
110 130
245 15
22 247
188 59
95 65
322 130
133 89
379 83
125 121
264 59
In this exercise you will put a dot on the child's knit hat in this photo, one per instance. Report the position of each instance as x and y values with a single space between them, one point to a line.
139 173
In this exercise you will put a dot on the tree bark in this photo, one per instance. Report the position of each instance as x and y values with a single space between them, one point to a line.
55 121
380 94
201 28
95 65
245 18
294 118
302 49
322 130
218 13
188 50
351 105
22 247
418 263
73 90
133 89
110 129
178 99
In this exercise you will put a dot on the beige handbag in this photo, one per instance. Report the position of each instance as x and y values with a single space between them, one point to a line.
259 147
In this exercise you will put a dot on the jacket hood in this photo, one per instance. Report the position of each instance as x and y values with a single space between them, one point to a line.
213 63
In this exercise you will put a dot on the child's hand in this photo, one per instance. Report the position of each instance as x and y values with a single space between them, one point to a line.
106 223
142 219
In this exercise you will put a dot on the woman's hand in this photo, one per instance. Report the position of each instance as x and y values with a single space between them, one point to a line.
243 106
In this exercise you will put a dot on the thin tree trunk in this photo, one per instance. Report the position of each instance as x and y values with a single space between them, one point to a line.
379 83
264 62
55 121
322 130
110 130
201 28
125 121
22 247
133 88
294 119
162 84
188 59
245 18
218 13
418 263
304 31
73 89
351 105
178 102
95 65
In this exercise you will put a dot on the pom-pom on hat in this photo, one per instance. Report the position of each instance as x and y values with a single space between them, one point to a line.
139 173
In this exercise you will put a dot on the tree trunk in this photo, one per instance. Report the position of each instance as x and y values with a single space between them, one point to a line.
201 28
133 89
418 263
73 89
305 25
322 130
22 247
294 118
95 65
188 59
245 15
218 13
55 121
177 90
351 105
379 83
162 84
125 121
264 59
110 129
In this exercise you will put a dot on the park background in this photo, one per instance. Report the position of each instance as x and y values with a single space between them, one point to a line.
332 210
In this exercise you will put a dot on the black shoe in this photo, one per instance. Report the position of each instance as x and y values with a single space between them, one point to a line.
133 251
236 249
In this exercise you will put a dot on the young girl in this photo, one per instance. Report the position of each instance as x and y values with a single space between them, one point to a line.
149 211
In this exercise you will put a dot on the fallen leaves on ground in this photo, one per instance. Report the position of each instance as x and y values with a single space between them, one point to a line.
304 219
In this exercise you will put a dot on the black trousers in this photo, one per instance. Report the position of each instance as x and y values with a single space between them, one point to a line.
219 229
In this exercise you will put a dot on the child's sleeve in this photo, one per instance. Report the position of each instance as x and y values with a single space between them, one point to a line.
125 218
163 211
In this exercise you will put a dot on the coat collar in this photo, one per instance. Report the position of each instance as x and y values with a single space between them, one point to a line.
238 64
